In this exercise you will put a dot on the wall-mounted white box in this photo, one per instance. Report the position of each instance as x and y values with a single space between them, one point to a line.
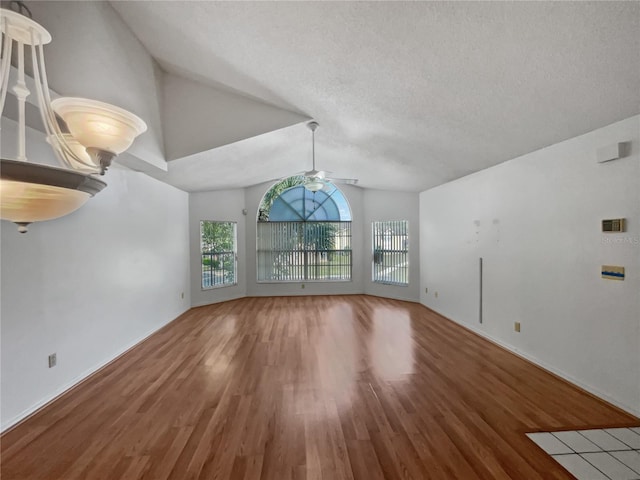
610 152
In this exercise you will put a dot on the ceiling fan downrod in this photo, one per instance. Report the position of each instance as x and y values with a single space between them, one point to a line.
313 125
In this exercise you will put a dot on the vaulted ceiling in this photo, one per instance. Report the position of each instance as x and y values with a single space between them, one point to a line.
409 95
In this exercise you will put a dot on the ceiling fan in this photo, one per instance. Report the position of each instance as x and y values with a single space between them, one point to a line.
315 180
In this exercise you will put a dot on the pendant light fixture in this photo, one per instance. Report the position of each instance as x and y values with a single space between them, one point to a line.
33 192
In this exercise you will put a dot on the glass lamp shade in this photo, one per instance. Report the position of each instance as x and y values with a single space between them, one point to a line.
99 125
31 192
314 184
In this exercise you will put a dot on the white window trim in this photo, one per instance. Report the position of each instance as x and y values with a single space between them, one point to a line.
235 257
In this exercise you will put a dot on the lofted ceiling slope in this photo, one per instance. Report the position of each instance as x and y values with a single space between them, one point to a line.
409 95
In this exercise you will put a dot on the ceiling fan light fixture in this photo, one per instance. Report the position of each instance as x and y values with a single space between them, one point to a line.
314 184
315 180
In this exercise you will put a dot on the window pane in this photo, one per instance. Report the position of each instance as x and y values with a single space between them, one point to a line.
391 252
297 251
218 251
303 235
297 204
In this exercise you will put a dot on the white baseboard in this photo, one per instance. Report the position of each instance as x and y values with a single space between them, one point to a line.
565 376
402 299
78 380
204 303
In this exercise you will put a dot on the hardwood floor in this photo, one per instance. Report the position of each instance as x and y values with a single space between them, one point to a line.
350 387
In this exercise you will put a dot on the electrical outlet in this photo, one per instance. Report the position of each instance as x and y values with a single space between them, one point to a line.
302 286
426 290
516 327
182 295
436 294
53 360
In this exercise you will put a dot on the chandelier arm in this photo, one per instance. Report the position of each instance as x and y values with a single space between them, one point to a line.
64 152
22 92
5 72
6 62
42 86
60 147
45 112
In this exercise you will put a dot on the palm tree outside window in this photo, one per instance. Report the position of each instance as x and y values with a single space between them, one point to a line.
303 235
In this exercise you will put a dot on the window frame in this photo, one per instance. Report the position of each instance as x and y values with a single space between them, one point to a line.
375 250
224 284
273 262
305 266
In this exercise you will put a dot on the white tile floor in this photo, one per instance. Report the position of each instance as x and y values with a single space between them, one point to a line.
607 454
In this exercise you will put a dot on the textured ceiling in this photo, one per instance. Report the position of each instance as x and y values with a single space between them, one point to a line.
408 95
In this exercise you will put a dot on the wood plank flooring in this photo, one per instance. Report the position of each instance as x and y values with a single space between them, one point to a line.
343 387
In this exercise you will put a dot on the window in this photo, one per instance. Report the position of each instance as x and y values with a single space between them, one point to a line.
218 249
391 252
303 235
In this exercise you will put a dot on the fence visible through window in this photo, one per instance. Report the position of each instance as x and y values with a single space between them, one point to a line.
218 253
391 252
297 251
218 269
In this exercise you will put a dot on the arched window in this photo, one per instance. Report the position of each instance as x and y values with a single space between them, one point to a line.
303 235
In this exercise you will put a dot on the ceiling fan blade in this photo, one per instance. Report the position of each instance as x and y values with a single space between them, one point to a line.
344 181
315 174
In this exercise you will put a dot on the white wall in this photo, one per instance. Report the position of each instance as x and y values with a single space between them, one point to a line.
536 222
88 286
222 206
215 117
383 205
